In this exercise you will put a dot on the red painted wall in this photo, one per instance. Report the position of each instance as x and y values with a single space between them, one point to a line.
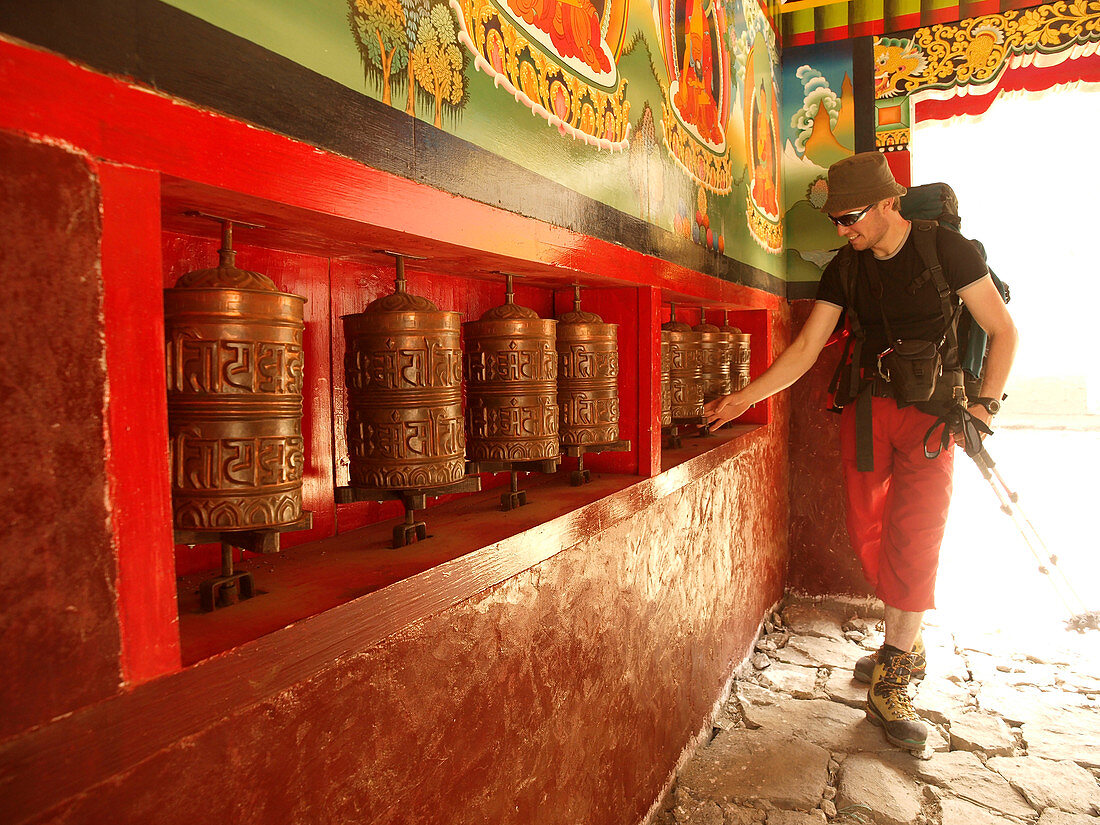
822 560
59 635
563 693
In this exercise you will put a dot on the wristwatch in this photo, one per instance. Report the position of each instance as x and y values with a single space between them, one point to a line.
992 405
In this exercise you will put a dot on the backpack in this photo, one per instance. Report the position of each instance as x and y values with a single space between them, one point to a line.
937 202
928 207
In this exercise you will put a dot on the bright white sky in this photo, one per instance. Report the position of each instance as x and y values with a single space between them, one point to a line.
1028 180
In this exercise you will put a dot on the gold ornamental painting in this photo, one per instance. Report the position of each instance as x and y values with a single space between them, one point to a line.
699 95
556 57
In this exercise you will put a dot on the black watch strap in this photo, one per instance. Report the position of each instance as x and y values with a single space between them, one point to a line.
992 405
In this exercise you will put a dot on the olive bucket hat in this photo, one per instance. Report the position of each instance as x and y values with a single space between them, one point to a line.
860 180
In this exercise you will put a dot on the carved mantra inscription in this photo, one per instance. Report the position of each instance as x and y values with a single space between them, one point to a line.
405 424
489 367
236 482
235 421
208 464
740 358
430 363
206 365
666 380
512 409
686 381
715 357
588 391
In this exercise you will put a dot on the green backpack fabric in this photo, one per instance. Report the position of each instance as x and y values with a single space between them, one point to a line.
937 202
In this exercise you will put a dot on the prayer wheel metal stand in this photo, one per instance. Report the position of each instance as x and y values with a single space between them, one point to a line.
527 367
411 529
238 320
587 371
233 586
582 475
515 497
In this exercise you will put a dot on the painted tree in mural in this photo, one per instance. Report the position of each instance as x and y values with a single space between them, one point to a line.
438 61
414 11
379 28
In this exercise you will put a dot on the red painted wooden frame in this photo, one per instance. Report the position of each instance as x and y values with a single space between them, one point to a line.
325 214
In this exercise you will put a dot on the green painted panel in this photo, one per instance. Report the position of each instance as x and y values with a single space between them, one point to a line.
312 33
867 11
798 22
833 16
818 121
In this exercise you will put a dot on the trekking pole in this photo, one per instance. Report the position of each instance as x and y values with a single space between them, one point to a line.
958 421
1080 619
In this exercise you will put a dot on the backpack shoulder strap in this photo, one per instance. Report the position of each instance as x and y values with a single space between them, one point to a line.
849 267
924 239
847 260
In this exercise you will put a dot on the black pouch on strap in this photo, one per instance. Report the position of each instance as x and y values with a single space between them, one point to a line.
912 367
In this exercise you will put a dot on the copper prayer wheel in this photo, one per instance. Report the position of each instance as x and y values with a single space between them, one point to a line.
403 368
685 372
714 357
511 385
234 358
588 378
740 355
666 379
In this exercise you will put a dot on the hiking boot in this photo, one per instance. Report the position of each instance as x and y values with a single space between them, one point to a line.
888 703
865 665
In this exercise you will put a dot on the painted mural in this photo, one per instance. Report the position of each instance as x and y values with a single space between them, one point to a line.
815 23
977 51
971 59
818 130
668 111
946 62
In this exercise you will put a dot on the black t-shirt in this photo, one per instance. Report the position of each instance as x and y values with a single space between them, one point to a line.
916 314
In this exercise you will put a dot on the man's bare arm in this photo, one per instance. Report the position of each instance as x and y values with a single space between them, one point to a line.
791 365
989 311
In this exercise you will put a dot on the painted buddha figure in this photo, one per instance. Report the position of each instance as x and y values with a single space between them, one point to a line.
764 177
693 99
572 25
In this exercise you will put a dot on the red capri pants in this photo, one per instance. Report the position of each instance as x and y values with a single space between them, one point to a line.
897 512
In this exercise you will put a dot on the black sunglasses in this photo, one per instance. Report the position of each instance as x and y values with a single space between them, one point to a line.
850 218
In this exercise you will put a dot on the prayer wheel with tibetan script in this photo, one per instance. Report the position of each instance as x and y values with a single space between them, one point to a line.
403 368
511 385
685 374
588 378
666 379
234 359
714 353
740 355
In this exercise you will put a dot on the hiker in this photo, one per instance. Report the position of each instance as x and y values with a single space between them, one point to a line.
897 497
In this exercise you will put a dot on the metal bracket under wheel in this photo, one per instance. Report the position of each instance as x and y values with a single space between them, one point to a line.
222 591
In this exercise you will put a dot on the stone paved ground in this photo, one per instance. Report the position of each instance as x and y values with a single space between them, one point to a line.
1014 734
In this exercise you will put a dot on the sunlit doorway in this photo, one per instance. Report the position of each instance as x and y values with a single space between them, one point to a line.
1028 179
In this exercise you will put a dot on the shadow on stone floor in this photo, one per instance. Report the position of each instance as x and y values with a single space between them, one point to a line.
1014 737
